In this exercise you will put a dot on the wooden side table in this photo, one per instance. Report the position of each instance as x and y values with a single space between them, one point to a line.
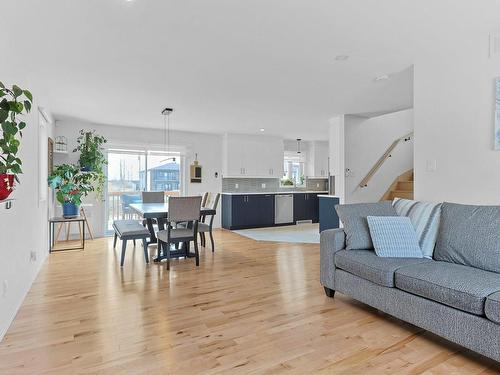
61 220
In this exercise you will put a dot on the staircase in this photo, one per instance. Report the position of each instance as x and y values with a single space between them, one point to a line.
402 187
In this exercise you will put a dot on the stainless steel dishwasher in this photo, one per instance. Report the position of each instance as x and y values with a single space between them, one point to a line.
283 209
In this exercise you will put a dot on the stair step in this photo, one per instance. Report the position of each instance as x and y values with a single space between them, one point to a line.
405 186
402 194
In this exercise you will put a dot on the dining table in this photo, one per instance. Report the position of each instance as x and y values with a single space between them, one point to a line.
158 212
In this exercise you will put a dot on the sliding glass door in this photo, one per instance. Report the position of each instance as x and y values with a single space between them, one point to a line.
132 171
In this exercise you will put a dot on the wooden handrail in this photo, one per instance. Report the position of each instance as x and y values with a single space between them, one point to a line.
383 158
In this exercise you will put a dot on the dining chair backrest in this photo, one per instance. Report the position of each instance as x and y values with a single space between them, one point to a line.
213 201
204 199
184 208
153 197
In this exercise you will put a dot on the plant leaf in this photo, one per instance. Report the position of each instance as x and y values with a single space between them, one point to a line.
27 105
28 95
3 115
17 91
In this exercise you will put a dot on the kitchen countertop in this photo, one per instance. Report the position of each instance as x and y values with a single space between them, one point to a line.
327 196
279 192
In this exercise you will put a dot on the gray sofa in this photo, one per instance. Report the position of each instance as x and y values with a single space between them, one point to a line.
456 295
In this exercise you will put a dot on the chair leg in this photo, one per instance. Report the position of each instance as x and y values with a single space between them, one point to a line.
203 239
124 247
167 244
114 241
197 255
158 249
134 241
212 240
146 253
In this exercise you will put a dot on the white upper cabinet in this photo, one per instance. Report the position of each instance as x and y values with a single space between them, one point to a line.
317 159
321 154
252 156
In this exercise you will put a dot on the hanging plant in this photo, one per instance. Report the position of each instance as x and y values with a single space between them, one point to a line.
92 158
13 102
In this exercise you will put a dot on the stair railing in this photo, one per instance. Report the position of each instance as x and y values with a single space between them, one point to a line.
383 158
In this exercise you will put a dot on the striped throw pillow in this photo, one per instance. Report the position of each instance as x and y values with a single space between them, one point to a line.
425 217
394 237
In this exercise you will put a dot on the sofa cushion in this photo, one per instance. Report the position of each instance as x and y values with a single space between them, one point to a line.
492 307
369 266
464 288
353 216
425 217
394 237
470 235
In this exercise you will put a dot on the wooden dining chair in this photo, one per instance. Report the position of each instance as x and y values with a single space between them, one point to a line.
204 199
153 197
180 209
203 227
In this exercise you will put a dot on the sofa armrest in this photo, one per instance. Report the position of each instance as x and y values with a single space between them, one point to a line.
331 241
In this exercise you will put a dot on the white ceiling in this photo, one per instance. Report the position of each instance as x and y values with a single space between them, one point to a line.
225 65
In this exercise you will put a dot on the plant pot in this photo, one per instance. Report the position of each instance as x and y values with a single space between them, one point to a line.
6 185
70 210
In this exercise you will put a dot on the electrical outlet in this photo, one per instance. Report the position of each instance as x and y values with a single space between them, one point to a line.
263 185
236 186
317 185
5 288
33 256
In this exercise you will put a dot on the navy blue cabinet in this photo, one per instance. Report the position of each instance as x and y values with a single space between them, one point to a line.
247 211
328 218
305 207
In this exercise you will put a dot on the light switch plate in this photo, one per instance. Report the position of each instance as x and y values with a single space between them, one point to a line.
236 186
263 185
431 165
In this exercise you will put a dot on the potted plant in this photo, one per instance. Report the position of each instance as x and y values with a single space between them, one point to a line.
13 102
90 147
92 158
71 184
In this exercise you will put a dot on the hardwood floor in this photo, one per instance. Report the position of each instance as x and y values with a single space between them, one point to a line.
250 308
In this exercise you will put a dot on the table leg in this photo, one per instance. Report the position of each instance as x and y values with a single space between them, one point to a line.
58 233
149 224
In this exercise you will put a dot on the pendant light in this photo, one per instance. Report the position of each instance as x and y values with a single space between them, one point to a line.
166 132
298 145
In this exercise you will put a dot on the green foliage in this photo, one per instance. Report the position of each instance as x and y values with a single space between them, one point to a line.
13 102
92 158
286 182
70 183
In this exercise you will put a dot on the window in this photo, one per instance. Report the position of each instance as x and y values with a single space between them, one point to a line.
130 172
293 169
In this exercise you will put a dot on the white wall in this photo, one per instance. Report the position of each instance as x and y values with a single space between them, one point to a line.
366 140
454 104
336 141
24 227
207 146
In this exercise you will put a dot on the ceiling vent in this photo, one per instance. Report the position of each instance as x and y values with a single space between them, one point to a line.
495 45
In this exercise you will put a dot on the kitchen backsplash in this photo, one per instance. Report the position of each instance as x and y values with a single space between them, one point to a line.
258 185
317 184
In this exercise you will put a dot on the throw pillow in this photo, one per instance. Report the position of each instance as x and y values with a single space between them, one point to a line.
425 217
353 216
394 237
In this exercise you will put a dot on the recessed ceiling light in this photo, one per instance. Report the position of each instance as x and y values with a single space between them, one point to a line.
262 129
341 57
381 78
